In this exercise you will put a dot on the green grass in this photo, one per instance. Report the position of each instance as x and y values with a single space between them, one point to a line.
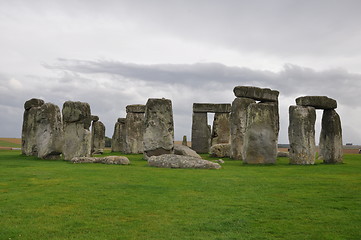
42 199
9 144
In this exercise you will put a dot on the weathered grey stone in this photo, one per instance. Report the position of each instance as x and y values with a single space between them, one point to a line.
184 142
211 107
201 135
178 161
134 130
136 108
259 94
301 134
220 150
94 118
185 151
260 140
318 102
119 160
331 137
98 138
283 154
77 137
219 161
29 129
34 102
221 132
159 127
238 122
118 138
49 132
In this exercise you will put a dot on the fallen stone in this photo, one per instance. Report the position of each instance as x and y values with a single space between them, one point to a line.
220 161
119 160
220 150
178 161
259 94
318 102
185 151
211 107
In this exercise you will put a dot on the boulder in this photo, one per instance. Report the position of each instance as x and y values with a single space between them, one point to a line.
221 132
178 161
211 107
259 94
185 151
119 160
220 150
118 138
98 137
318 102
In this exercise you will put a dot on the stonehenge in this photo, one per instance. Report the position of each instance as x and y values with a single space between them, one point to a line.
98 136
134 128
118 138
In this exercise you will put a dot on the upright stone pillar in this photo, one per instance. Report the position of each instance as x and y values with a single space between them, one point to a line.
49 132
260 141
98 136
238 119
200 133
184 142
28 134
301 134
77 137
134 129
331 137
221 129
159 128
118 138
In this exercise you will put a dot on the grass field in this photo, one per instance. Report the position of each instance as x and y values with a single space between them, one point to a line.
42 199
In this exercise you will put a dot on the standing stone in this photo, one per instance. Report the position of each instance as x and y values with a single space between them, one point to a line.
77 137
221 132
200 133
184 142
134 129
49 132
301 134
331 138
260 140
159 128
238 119
29 129
118 138
98 137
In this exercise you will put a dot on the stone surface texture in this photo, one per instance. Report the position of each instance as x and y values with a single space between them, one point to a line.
135 108
185 151
134 130
318 102
301 134
159 127
238 123
220 150
331 137
178 161
98 137
259 94
201 135
212 107
221 132
118 138
119 160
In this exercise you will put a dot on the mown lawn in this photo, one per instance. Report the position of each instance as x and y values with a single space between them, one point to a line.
42 199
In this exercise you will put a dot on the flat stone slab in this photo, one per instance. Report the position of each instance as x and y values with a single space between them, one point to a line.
318 102
256 93
136 108
178 161
212 107
119 160
185 151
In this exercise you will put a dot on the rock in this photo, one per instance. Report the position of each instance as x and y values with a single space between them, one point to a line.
260 140
159 127
34 102
94 118
283 154
77 137
134 129
119 160
211 107
118 138
301 134
238 123
220 150
135 108
201 135
220 161
185 151
318 102
259 94
98 137
221 129
184 142
178 161
331 138
49 132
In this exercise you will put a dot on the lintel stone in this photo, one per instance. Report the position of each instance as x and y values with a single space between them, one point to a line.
256 93
136 108
318 102
212 107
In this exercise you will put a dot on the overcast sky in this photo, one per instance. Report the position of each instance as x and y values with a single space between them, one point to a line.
115 53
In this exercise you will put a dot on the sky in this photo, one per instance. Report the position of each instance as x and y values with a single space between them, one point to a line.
115 53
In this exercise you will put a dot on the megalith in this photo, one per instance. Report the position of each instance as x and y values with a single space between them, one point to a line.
77 137
98 136
134 128
221 129
201 135
301 134
261 137
159 128
238 123
49 132
331 137
28 134
118 138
